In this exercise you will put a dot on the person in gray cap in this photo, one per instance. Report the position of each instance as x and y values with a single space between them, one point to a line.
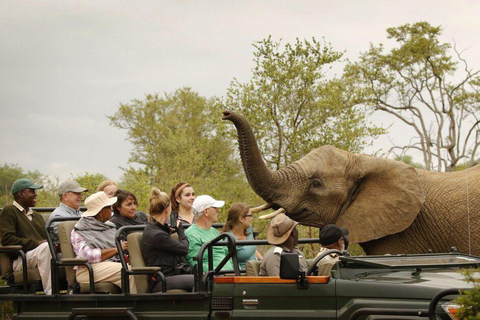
20 225
282 233
332 237
70 193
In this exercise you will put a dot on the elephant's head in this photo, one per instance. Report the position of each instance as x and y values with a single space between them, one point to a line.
373 197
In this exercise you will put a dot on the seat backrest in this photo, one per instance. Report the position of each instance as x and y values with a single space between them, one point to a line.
136 260
45 217
64 231
252 268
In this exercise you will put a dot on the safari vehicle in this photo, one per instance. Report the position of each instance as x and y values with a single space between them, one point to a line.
366 287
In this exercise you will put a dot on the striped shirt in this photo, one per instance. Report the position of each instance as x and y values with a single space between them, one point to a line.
82 250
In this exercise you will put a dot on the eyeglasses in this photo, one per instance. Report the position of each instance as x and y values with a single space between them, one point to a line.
249 215
108 207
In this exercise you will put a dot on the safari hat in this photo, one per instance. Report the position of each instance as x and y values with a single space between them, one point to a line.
204 202
70 186
331 234
97 202
24 183
280 228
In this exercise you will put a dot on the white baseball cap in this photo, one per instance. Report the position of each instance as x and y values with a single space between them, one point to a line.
97 202
204 202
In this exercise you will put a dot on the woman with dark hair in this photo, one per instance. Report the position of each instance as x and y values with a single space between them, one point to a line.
124 210
181 198
159 249
239 223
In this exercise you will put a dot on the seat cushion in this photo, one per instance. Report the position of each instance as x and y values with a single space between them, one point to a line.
252 268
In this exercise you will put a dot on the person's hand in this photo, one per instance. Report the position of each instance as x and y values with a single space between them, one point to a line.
124 245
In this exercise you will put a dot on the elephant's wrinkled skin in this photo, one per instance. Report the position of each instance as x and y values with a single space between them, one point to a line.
388 206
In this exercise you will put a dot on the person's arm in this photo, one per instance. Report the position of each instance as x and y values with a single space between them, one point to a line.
8 232
193 248
82 250
259 255
162 241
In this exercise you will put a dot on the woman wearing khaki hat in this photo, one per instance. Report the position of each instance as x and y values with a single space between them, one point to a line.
282 233
93 238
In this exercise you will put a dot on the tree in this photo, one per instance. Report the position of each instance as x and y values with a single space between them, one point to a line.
175 138
89 181
11 172
292 106
420 83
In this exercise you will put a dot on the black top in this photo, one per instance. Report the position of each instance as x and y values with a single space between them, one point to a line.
159 249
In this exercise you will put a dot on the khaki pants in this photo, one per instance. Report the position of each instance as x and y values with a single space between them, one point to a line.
39 257
106 271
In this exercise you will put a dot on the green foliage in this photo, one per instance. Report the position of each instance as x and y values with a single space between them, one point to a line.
89 181
11 172
175 138
292 106
469 300
420 83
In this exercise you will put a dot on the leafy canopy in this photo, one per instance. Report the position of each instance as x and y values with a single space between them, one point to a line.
420 83
293 107
175 138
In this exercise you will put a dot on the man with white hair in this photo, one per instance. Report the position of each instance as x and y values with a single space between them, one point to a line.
205 209
70 193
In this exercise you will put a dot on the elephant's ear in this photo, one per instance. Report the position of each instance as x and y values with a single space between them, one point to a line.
388 198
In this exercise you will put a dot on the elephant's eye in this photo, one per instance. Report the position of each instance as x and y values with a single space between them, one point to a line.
316 183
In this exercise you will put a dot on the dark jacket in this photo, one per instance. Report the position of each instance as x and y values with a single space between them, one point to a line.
17 229
159 249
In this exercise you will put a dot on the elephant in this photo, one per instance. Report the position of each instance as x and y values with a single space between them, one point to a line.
388 206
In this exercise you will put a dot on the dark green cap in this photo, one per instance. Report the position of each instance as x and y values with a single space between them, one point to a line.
24 183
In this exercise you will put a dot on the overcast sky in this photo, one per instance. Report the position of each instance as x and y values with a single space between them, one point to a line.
66 65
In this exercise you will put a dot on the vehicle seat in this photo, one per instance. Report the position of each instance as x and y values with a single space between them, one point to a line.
136 261
252 268
64 231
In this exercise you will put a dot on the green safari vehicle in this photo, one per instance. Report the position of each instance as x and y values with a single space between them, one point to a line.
364 287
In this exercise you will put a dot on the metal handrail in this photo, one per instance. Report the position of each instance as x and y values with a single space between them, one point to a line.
55 264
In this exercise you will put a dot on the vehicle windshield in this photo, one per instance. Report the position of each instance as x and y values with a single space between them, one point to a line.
417 261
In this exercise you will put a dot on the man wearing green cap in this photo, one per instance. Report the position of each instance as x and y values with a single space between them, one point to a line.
20 225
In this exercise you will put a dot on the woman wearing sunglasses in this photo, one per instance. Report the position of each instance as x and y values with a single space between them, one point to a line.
239 223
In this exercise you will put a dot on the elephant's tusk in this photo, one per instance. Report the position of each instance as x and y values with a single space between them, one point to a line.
261 208
273 214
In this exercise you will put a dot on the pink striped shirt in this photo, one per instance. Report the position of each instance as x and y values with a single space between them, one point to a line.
82 250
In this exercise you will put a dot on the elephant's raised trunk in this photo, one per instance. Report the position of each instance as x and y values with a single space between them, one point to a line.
263 181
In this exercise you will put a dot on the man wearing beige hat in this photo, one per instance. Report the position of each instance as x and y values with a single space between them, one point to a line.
70 193
93 238
282 233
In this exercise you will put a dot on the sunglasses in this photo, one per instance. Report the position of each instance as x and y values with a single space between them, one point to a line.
248 215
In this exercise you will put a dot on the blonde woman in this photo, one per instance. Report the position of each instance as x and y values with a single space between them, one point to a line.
181 198
239 223
159 249
109 187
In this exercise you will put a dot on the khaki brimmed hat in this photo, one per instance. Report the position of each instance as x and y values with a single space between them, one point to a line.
280 228
24 183
97 202
204 202
70 186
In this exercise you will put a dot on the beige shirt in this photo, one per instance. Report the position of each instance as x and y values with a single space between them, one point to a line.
327 262
29 213
271 261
